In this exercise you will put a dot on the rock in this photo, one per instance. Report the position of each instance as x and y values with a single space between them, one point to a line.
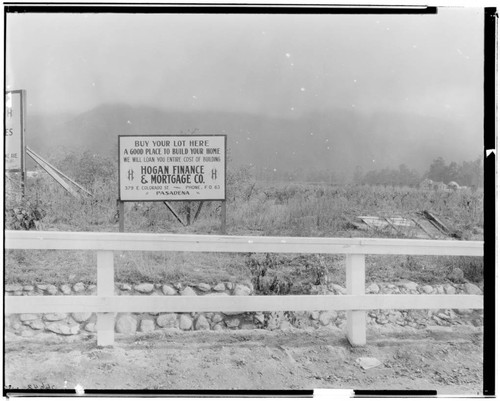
185 322
373 288
463 311
326 317
27 317
81 317
13 287
28 288
188 292
368 363
439 289
204 287
144 288
126 324
92 289
27 333
36 324
217 318
456 276
259 318
15 326
42 287
64 329
51 289
382 320
241 290
449 289
168 290
285 325
338 289
440 329
125 287
90 327
410 286
472 289
218 327
427 289
147 325
315 315
220 287
229 286
394 316
79 287
168 320
53 317
232 323
443 316
65 289
202 323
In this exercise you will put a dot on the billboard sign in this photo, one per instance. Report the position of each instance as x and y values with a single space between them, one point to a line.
172 167
14 130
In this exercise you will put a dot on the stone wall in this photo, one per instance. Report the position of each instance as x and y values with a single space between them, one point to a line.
73 324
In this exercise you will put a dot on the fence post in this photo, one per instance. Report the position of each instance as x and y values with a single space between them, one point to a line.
355 282
105 287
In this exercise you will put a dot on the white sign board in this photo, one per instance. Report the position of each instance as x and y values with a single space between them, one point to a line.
14 130
172 167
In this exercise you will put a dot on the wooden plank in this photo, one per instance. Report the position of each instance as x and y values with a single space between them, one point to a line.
174 212
223 216
200 205
355 285
28 150
419 225
105 273
133 304
105 287
434 220
105 327
221 243
43 164
121 216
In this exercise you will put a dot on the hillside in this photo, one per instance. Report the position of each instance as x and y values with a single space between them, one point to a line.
337 141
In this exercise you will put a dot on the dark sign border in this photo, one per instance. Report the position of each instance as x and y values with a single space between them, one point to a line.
173 200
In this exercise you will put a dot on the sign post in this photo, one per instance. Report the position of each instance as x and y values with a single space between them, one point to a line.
15 128
169 168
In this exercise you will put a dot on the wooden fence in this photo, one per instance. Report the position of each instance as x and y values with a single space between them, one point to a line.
356 303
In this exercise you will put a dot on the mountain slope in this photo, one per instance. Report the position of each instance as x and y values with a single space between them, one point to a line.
337 141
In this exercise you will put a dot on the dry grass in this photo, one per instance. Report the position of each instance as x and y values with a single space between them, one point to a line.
253 209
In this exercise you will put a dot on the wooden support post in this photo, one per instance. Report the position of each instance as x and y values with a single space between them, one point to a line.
198 211
105 287
188 213
355 282
173 212
121 216
223 218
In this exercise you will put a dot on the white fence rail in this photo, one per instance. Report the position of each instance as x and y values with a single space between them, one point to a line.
356 303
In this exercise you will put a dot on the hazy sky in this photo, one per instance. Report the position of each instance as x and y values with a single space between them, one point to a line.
281 65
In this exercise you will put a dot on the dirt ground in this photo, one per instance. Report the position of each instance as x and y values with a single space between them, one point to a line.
445 359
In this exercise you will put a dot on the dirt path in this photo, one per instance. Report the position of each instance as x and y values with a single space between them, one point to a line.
444 359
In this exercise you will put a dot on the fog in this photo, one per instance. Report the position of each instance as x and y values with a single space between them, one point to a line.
428 67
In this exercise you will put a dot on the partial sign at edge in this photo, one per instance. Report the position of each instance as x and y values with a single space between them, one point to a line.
14 130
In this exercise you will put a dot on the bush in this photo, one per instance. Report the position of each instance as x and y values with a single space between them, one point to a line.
24 216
